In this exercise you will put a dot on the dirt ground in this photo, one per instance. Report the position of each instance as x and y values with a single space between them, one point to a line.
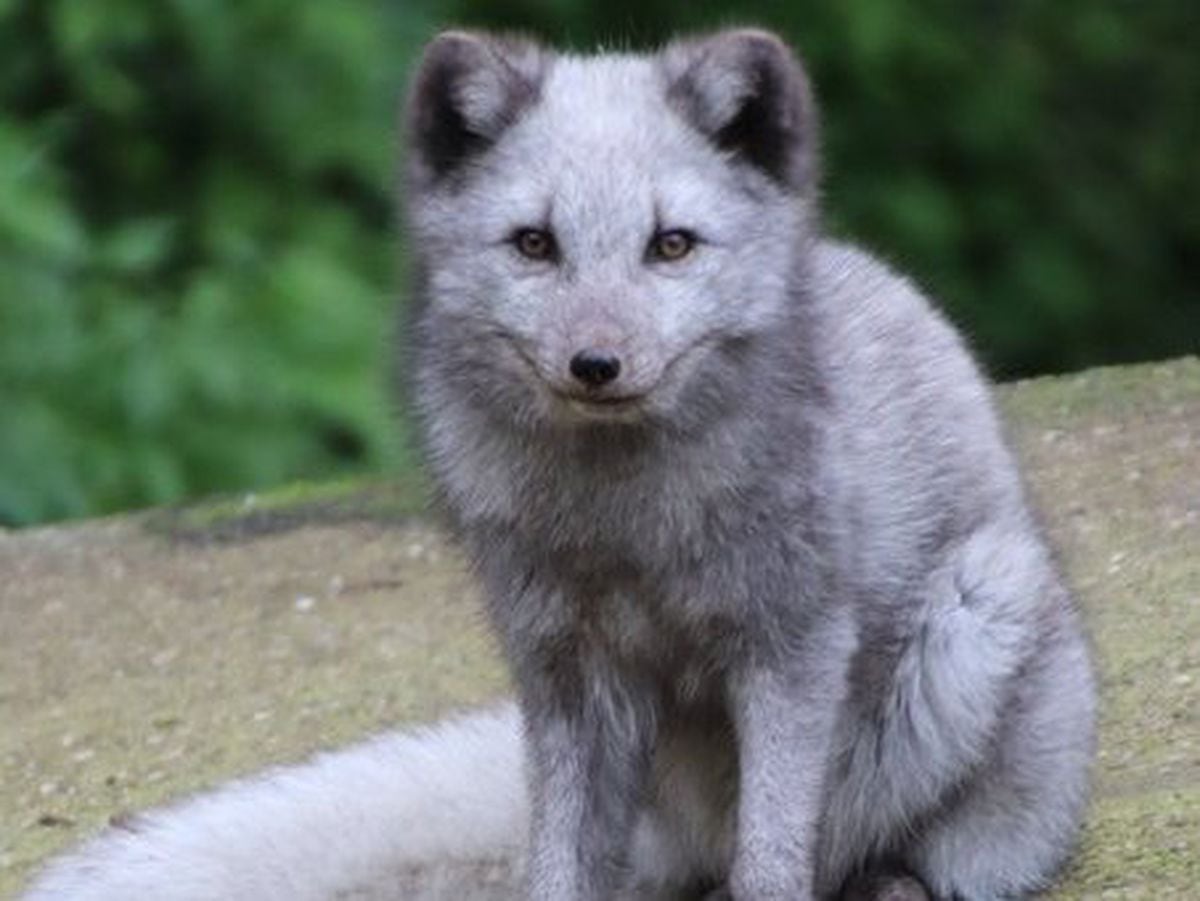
152 655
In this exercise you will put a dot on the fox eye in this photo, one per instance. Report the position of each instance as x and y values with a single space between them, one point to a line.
670 246
535 244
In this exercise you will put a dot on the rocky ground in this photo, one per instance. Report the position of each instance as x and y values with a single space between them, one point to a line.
147 656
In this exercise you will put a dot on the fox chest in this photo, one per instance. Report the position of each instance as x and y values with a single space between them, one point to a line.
681 645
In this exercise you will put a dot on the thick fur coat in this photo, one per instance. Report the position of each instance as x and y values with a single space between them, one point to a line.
781 622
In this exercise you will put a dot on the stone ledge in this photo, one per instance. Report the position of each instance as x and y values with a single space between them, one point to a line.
152 655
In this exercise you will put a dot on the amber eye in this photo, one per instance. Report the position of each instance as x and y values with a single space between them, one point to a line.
669 246
535 243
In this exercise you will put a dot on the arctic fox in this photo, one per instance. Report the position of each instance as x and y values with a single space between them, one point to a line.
781 623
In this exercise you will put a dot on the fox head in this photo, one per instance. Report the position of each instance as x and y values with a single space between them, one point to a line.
597 239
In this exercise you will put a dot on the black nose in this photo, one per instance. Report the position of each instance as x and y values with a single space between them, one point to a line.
595 367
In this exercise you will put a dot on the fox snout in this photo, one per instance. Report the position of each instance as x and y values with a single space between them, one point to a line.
602 380
597 357
595 367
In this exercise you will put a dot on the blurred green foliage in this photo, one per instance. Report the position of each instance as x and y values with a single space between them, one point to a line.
197 247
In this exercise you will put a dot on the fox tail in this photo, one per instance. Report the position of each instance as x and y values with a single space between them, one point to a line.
437 812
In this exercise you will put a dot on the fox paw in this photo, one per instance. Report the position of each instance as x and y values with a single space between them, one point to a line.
887 886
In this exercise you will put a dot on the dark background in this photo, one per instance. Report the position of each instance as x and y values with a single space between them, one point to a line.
198 252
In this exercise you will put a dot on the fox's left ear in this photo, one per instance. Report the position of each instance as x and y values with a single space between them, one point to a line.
747 92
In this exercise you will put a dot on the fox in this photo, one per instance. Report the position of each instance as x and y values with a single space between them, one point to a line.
780 618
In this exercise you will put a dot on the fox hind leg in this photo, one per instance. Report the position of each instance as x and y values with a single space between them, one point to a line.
1011 832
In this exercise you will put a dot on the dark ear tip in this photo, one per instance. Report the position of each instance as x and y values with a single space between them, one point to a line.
456 35
465 45
758 38
458 40
745 48
452 50
765 48
745 42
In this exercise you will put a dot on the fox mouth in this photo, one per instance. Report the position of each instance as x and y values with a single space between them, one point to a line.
600 401
595 404
602 407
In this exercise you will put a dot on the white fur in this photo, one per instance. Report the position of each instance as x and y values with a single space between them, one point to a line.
361 823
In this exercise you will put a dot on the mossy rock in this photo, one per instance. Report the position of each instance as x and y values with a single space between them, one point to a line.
148 656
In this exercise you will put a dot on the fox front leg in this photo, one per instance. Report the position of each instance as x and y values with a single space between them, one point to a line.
589 745
785 704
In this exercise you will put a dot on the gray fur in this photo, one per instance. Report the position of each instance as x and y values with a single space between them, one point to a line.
781 621
799 551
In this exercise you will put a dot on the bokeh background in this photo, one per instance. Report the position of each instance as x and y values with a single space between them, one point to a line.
199 262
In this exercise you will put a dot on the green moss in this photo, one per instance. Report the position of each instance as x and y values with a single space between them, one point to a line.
300 503
1144 846
1056 399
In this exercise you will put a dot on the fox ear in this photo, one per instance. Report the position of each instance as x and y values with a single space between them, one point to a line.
747 93
468 88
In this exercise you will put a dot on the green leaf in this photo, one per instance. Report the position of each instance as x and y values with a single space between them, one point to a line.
138 246
35 214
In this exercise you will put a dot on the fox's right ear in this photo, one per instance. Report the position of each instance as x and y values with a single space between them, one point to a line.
468 88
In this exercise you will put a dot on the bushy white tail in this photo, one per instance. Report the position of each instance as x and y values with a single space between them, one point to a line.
438 812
